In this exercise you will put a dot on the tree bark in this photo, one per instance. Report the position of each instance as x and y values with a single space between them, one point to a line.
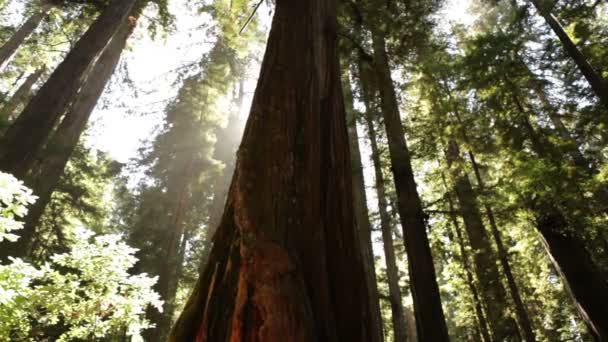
520 309
574 263
10 47
21 144
49 169
362 220
392 271
22 93
430 321
596 81
464 259
285 263
492 289
567 248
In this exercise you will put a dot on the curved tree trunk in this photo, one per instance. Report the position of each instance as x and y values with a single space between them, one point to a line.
8 49
430 321
362 220
21 144
392 272
58 150
285 263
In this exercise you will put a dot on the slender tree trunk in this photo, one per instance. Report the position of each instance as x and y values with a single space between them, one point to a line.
430 321
10 47
49 169
522 314
520 309
364 226
178 191
21 144
285 263
22 93
392 272
492 289
595 79
470 280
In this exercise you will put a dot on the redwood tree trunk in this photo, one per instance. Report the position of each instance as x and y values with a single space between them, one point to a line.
392 272
595 79
285 263
492 289
22 93
362 220
520 309
430 321
10 47
470 280
58 150
21 144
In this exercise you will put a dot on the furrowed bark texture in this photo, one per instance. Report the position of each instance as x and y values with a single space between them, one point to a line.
10 47
58 150
392 272
430 321
21 144
285 263
492 289
362 220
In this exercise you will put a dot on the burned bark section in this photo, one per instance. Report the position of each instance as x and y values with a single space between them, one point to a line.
285 263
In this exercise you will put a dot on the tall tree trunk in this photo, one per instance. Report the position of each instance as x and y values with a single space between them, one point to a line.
492 289
10 47
430 321
392 272
567 249
285 263
470 280
595 79
49 169
362 220
21 144
22 93
574 263
522 314
178 192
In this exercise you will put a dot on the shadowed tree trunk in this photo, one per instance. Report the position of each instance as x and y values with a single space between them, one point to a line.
362 220
49 169
566 247
492 289
285 263
392 272
21 144
430 321
21 95
10 47
520 309
470 280
595 79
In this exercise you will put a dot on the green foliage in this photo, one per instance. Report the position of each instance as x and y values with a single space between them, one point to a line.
14 198
87 292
